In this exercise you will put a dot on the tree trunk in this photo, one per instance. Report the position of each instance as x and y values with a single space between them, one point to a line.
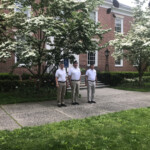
39 77
140 79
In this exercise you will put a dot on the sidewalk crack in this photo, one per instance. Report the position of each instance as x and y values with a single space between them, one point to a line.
64 113
11 117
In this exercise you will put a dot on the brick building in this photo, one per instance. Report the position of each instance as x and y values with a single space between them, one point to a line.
118 20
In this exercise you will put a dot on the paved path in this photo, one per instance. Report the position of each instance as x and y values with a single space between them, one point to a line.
108 100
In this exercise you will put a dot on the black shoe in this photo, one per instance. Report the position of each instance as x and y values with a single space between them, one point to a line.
89 102
59 105
64 105
93 102
76 103
73 103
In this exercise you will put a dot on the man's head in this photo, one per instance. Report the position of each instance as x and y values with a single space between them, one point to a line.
75 64
61 64
92 65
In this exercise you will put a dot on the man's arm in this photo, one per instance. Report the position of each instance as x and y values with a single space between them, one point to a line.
96 77
69 77
80 75
56 79
86 78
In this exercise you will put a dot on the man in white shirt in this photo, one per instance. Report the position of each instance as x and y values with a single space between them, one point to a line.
61 82
74 79
90 82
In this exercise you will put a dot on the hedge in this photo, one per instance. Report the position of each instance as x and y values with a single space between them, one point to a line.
115 78
7 85
7 76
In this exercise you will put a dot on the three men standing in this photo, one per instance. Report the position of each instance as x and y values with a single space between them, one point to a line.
74 77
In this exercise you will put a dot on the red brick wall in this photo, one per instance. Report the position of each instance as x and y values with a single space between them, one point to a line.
108 21
7 67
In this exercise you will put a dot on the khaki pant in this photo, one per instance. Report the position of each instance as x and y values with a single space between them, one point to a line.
75 90
91 91
61 90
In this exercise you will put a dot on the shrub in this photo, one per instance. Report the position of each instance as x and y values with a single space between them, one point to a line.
146 78
115 78
110 78
7 76
47 79
26 76
7 85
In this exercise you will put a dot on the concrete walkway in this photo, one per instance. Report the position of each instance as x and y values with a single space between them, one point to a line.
108 100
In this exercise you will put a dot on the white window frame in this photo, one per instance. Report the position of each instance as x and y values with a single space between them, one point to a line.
28 11
121 63
20 65
96 59
122 22
121 18
96 15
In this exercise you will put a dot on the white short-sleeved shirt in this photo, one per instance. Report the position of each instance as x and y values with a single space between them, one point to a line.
91 74
75 73
61 75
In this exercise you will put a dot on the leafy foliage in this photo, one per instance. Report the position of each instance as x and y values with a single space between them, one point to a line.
49 30
115 78
136 43
6 76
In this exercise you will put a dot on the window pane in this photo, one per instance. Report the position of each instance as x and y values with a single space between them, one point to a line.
118 61
91 57
118 25
93 16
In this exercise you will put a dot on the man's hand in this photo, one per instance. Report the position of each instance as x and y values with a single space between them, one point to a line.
57 85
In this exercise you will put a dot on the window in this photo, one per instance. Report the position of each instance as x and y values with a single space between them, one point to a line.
18 8
92 58
119 25
119 62
94 16
119 28
136 62
19 47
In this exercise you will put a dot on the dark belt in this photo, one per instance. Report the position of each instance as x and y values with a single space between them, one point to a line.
75 80
91 81
62 81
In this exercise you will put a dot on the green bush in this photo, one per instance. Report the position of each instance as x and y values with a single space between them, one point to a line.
46 79
115 78
110 78
146 78
7 85
7 76
26 76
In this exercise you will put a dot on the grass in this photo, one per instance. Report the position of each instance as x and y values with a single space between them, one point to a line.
29 95
134 87
126 130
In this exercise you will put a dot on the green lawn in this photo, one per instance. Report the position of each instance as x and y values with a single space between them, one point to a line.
126 130
134 87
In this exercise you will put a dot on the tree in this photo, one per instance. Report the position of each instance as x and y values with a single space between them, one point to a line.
136 43
35 22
